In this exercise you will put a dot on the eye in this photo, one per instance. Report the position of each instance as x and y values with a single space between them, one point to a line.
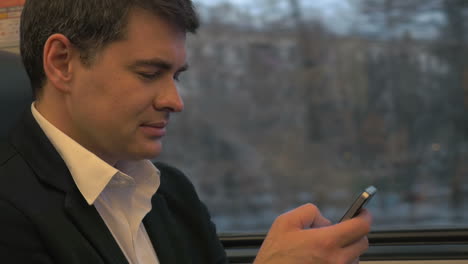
149 76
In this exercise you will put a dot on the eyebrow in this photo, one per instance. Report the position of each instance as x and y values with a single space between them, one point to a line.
157 63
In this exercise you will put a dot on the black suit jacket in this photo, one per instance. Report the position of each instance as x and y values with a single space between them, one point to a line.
45 219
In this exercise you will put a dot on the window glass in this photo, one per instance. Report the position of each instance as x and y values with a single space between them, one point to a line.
296 101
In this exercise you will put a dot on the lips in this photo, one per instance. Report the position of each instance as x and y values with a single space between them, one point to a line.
156 129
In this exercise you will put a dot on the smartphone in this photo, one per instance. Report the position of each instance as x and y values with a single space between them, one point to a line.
360 202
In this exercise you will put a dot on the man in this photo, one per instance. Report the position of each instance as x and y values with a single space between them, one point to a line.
77 185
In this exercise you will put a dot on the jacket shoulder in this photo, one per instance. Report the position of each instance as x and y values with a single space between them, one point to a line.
174 180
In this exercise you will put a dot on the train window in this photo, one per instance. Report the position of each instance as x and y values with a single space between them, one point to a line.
296 101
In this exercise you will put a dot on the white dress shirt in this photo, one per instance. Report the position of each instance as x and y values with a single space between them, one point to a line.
121 194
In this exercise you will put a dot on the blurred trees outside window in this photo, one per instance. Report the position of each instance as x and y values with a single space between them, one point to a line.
295 101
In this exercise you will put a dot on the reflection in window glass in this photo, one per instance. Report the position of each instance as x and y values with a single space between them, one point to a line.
295 101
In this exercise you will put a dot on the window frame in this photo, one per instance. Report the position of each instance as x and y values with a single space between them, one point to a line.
401 245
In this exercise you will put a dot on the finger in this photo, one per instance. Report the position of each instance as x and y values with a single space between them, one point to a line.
321 221
356 249
353 229
305 216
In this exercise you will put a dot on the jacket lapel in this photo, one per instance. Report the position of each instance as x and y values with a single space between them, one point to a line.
88 220
164 234
31 142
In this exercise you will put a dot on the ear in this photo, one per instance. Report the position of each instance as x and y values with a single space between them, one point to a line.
58 55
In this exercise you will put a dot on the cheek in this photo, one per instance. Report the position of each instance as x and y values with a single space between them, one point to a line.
133 97
103 93
119 99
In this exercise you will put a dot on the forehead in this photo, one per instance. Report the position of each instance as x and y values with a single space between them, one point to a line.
148 35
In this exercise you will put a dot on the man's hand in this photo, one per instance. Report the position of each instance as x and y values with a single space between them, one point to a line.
304 236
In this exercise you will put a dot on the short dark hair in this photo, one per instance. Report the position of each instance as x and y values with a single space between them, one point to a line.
90 25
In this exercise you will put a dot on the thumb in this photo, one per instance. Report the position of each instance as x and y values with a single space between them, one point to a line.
303 217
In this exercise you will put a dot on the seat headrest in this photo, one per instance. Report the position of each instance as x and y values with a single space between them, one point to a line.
15 91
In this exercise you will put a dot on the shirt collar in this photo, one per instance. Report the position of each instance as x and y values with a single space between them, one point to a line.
90 173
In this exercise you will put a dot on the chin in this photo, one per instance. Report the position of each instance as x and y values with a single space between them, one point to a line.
150 153
145 150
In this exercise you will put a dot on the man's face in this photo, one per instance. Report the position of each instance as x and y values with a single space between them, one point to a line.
120 105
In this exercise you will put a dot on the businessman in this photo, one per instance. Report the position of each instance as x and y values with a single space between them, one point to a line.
77 183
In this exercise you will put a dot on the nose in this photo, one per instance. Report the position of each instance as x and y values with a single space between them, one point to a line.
168 98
